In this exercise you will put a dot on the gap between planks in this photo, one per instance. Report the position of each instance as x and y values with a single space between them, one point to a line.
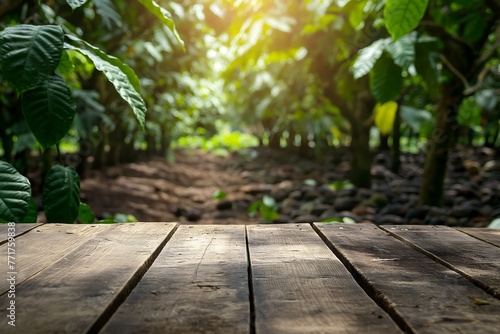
129 286
379 298
489 284
429 296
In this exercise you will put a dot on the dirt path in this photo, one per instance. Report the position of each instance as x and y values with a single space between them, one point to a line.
158 190
304 190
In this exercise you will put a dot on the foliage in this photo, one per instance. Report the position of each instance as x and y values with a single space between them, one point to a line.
402 16
266 207
305 75
494 224
219 195
221 144
30 57
15 194
61 195
118 219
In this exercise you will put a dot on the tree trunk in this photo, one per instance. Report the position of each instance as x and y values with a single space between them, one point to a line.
361 157
384 143
440 143
396 144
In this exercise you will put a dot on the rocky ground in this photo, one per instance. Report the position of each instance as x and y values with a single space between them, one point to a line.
304 190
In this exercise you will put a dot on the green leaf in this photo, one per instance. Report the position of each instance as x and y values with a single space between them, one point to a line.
254 207
119 79
368 57
65 66
219 194
356 10
30 54
164 16
385 114
414 117
386 80
474 29
108 13
76 3
32 214
426 65
61 195
15 194
402 16
486 99
49 110
268 201
494 224
129 72
85 214
124 218
403 50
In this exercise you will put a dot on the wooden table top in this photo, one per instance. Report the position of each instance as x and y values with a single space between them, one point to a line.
298 278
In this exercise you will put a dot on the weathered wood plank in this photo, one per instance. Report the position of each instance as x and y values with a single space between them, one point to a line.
472 258
44 245
428 296
491 235
301 287
77 293
20 230
198 284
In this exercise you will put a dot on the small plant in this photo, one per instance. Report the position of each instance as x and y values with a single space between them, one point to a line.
343 220
339 185
117 219
219 195
265 207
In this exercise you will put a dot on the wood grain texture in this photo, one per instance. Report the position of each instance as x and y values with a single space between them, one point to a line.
198 284
301 287
491 235
78 290
20 230
44 245
472 258
428 296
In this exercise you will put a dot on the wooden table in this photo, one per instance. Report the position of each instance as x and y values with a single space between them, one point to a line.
319 278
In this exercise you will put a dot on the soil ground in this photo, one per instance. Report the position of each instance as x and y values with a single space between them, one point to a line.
157 190
182 190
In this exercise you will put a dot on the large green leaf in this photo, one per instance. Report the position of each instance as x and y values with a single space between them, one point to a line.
85 214
132 77
119 79
402 16
49 110
61 195
368 57
76 3
494 224
426 56
32 214
15 194
29 54
403 50
164 16
386 79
